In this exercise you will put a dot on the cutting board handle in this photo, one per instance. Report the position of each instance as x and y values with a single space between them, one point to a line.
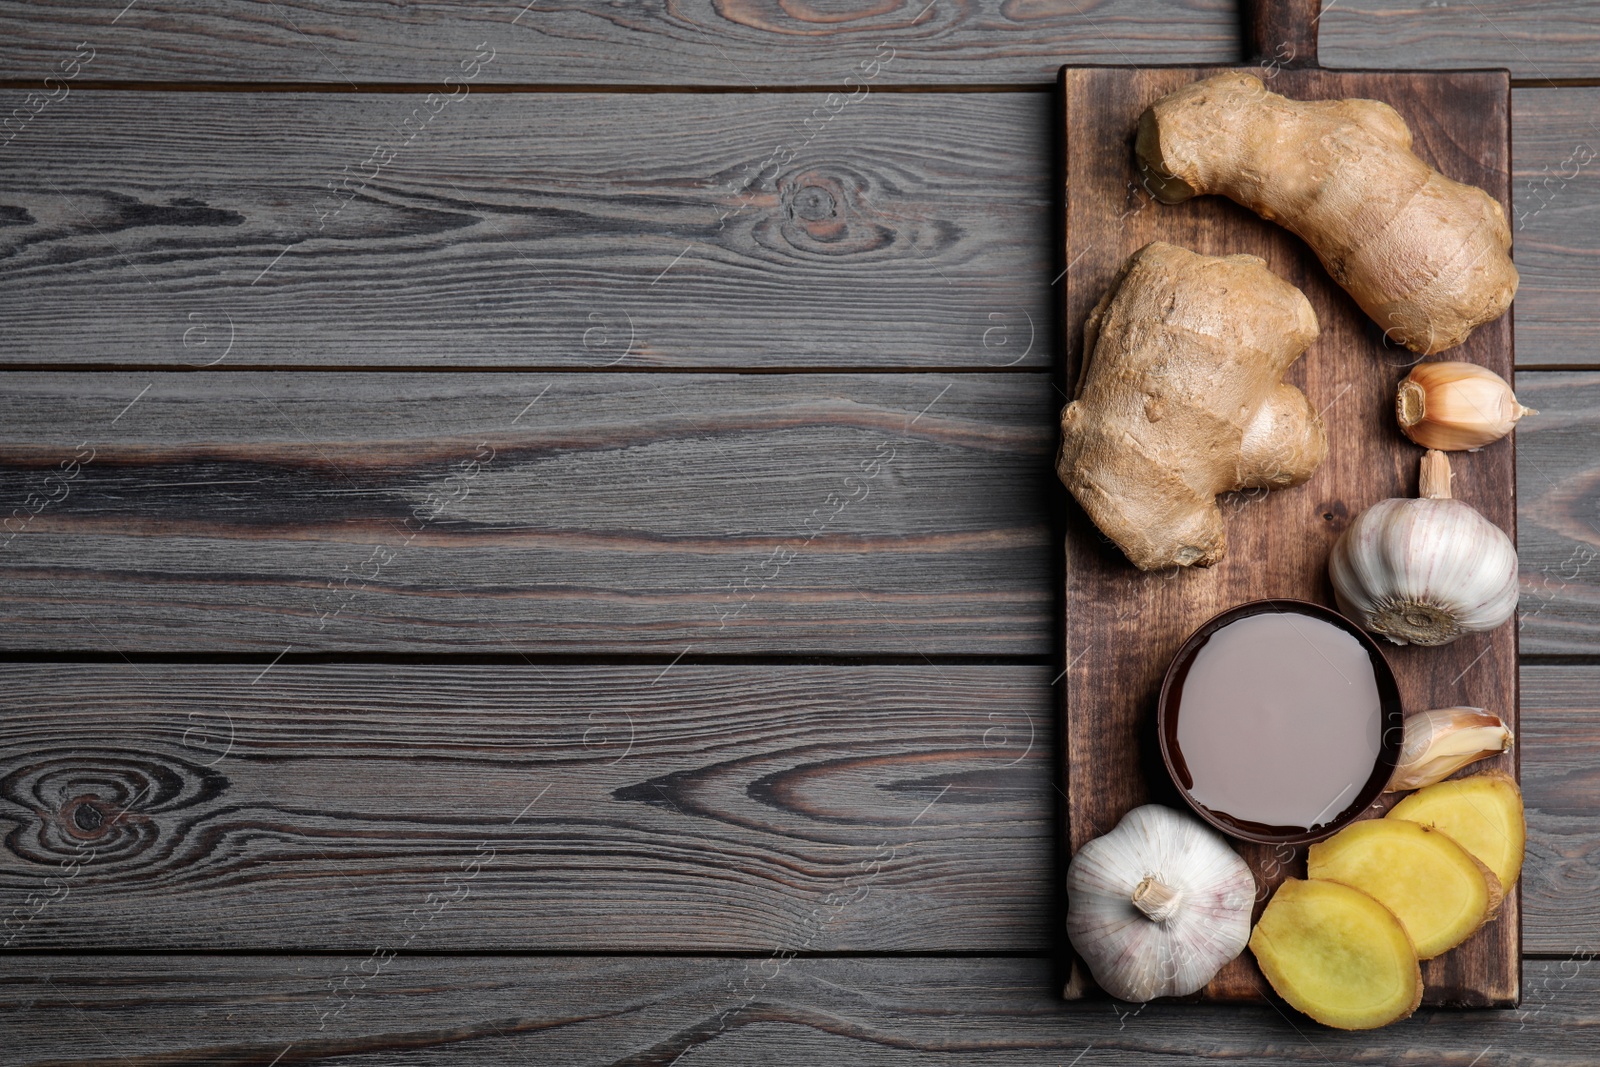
1281 32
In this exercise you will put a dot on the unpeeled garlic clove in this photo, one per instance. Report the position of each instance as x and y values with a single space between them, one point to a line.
1455 406
1440 742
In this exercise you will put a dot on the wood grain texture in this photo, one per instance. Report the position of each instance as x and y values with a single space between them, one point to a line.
1561 789
619 513
1558 462
528 230
1536 40
495 513
589 807
276 540
742 43
341 807
533 230
1123 626
1281 32
109 1011
738 43
1556 224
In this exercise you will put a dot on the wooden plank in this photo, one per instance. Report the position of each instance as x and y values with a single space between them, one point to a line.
1537 41
949 551
333 807
757 42
1558 459
693 42
1560 753
495 513
279 532
1556 224
912 231
1123 627
532 807
616 231
118 1011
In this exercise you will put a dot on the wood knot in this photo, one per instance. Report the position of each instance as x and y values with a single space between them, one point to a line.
814 208
824 212
108 805
89 815
1335 514
809 18
814 203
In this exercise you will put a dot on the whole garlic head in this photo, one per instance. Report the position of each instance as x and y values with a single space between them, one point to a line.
1425 571
1156 907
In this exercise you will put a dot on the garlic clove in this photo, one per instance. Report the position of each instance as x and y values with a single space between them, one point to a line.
1440 742
1456 406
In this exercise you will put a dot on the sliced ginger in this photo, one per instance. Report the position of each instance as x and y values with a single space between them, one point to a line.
1338 955
1438 890
1482 814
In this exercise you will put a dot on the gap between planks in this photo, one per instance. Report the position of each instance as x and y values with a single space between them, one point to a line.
612 659
541 368
530 368
946 88
543 659
593 953
353 89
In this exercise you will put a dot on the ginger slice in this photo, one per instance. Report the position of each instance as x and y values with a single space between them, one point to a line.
1438 890
1482 814
1338 955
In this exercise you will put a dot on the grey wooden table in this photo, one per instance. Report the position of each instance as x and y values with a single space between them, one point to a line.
532 537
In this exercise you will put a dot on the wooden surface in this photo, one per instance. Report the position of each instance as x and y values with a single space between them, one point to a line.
105 1011
319 806
502 514
691 809
1281 32
521 230
1558 515
760 43
293 496
740 43
1123 626
1539 42
1556 223
721 893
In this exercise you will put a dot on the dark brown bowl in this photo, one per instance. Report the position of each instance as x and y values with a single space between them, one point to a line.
1389 746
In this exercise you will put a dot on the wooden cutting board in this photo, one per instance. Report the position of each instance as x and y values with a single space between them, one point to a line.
1123 626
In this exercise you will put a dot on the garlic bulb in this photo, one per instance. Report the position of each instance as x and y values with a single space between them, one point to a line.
1425 571
1156 907
1439 743
1456 406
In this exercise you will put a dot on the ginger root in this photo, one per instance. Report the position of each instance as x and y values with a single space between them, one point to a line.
1181 399
1428 258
